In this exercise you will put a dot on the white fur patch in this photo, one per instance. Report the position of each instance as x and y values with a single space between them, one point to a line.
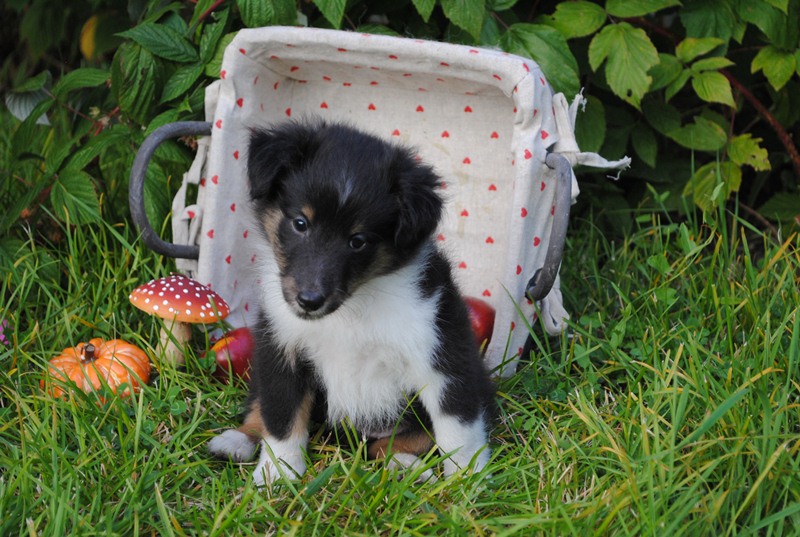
233 444
462 442
408 462
370 353
280 457
377 347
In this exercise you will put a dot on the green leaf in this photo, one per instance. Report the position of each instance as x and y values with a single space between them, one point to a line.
713 87
201 7
181 80
35 83
255 13
211 35
80 78
778 65
644 143
709 18
745 149
500 5
711 64
547 47
466 14
215 64
692 47
377 29
665 71
677 85
285 12
332 10
702 135
783 5
637 8
424 8
713 183
663 117
797 61
576 19
157 199
169 116
590 126
628 54
134 78
783 207
55 156
782 31
74 199
162 41
114 135
23 104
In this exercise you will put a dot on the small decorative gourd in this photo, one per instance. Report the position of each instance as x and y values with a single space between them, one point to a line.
90 365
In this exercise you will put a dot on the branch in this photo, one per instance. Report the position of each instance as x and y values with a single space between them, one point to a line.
210 10
783 136
762 110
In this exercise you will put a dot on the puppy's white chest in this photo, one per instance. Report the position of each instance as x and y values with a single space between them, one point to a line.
363 385
375 352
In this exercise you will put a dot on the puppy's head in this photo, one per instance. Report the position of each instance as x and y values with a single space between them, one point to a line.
338 207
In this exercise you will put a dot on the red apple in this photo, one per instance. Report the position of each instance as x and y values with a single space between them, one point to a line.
481 316
234 352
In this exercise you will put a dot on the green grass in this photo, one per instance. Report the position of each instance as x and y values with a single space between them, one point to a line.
670 407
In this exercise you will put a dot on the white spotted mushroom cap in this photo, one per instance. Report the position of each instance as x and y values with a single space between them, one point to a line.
181 298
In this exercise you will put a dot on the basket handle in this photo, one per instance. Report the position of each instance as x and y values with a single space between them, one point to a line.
136 186
542 281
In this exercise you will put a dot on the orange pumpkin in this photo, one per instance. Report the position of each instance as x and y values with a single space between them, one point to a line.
90 365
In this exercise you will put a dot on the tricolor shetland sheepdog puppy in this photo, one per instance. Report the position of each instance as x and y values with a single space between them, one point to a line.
360 316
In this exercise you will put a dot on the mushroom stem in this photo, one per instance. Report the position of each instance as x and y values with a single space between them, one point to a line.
174 335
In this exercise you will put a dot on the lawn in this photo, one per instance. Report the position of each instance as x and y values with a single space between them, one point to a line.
669 407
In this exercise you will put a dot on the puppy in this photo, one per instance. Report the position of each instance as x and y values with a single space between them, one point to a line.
360 316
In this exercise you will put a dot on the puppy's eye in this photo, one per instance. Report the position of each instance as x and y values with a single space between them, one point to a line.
300 225
358 242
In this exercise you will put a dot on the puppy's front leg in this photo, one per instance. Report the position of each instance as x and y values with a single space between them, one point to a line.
460 423
282 452
463 440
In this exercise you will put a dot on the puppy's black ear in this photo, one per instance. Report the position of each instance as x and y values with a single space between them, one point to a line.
272 153
420 206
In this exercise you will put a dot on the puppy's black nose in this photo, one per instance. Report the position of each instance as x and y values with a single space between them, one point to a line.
310 300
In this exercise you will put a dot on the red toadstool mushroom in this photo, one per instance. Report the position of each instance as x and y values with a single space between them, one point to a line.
180 301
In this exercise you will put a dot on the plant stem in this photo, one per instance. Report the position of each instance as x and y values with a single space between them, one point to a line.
762 110
783 136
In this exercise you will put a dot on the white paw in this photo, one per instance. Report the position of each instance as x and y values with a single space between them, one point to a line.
232 444
276 462
410 463
467 460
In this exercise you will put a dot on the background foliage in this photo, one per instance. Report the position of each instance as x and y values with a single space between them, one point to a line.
670 406
704 94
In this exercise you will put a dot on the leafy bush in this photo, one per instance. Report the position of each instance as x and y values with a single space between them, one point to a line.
704 94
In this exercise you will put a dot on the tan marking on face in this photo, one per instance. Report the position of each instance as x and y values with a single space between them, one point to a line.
382 264
412 442
271 222
308 212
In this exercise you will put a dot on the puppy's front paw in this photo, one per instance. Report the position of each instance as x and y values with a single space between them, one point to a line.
274 464
470 461
234 445
410 463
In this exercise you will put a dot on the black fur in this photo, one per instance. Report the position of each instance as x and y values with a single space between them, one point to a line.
341 208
